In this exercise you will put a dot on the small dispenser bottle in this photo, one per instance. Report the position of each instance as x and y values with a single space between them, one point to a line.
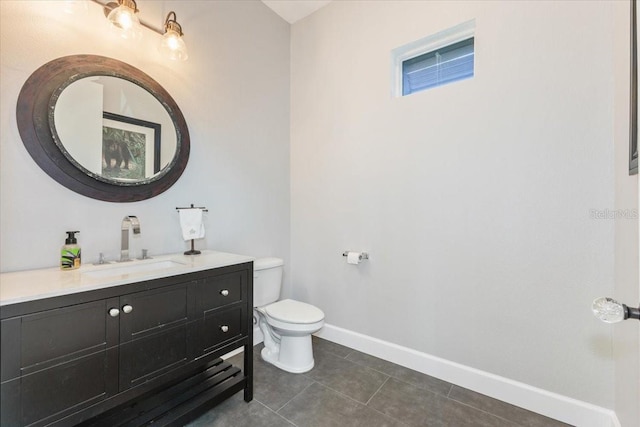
70 256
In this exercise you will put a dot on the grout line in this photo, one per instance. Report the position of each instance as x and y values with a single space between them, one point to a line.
449 392
353 400
405 381
390 417
271 410
341 393
298 394
379 388
483 411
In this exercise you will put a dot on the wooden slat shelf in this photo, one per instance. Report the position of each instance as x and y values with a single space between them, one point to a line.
177 404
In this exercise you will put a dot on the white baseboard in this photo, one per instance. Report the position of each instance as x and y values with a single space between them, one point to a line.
553 405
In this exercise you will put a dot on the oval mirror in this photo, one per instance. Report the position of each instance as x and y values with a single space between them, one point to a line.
103 128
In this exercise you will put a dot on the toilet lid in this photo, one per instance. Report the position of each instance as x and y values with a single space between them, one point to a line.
292 311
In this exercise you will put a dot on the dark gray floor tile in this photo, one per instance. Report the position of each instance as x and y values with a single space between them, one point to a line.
502 409
418 407
274 387
319 406
235 412
400 372
396 396
320 344
346 377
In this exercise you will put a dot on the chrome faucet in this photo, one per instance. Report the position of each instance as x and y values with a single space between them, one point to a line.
128 222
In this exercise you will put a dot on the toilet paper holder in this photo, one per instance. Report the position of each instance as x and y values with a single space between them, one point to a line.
361 256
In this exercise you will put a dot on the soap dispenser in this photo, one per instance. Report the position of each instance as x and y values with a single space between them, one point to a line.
70 255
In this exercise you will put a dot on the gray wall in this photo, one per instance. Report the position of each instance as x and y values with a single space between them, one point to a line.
234 93
473 199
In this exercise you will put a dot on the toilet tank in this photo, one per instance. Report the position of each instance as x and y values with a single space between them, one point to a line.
267 280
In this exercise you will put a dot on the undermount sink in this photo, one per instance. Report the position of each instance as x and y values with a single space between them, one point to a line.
138 267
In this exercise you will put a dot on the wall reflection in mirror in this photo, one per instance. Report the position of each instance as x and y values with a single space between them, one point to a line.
113 129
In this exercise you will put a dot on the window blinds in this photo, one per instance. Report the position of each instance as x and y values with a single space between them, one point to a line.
445 65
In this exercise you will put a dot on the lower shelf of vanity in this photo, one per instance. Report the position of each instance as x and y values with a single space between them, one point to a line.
177 404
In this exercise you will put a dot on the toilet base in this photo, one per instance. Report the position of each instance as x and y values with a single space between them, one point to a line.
293 354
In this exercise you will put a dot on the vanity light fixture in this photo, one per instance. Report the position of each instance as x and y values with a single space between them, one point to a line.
172 45
123 19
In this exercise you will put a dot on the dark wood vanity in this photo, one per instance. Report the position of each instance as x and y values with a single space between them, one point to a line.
146 352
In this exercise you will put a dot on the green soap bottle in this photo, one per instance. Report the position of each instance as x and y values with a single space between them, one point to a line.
70 256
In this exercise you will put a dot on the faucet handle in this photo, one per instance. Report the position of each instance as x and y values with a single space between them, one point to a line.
101 259
145 254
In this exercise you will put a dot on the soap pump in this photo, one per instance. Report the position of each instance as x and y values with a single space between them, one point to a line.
70 256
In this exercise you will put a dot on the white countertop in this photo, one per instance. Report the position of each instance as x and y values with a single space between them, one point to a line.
23 286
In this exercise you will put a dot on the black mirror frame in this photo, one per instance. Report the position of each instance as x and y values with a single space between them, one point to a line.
35 110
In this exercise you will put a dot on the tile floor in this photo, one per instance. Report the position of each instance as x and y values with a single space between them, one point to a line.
347 388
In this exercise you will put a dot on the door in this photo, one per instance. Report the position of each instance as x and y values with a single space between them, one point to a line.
153 334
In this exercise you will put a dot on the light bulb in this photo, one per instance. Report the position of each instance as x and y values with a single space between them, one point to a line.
173 46
124 21
608 310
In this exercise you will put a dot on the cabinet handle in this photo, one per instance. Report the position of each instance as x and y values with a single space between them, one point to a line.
114 312
224 328
127 309
224 292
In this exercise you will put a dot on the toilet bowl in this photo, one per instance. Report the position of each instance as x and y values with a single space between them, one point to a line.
286 325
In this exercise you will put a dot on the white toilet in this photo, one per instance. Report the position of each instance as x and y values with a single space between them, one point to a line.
287 325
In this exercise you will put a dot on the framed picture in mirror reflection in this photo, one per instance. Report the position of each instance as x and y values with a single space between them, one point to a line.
130 148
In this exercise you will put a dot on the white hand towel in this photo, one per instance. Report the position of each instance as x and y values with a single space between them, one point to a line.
191 223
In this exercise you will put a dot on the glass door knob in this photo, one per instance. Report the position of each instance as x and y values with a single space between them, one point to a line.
611 311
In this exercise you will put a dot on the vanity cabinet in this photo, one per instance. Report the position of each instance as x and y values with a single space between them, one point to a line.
135 354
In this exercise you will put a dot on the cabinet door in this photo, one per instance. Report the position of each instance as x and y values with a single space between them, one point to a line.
66 358
153 334
221 310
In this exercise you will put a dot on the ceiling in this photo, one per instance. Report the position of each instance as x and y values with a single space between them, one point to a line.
294 10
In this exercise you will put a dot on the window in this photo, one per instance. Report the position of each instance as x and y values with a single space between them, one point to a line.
446 65
442 58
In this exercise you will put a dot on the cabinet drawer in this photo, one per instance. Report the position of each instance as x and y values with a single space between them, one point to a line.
219 291
220 327
152 311
46 337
